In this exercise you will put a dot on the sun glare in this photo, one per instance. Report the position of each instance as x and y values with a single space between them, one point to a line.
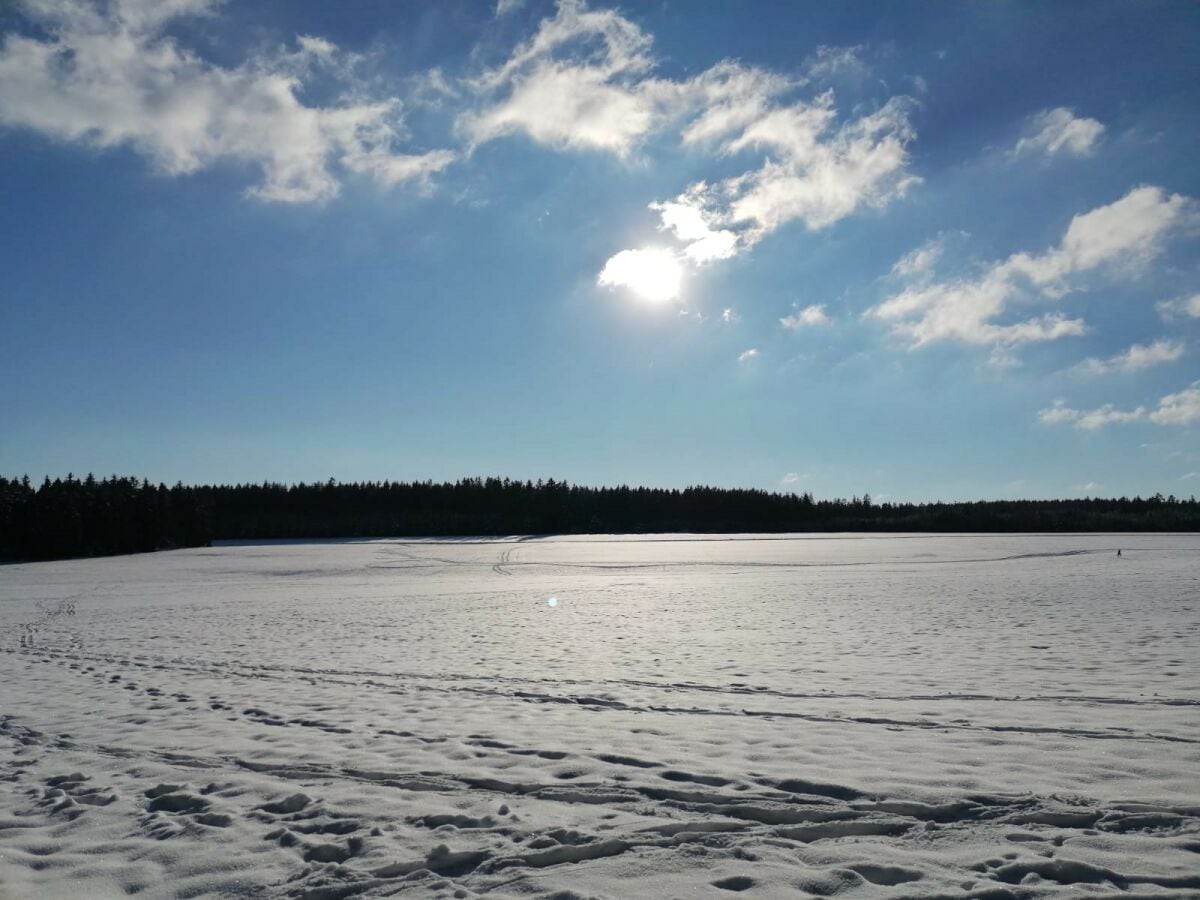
652 273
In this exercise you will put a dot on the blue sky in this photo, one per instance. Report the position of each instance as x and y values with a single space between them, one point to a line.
925 251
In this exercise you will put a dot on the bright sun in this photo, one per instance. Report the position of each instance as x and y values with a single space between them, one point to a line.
652 273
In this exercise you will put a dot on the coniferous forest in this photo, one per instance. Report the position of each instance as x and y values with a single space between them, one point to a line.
68 517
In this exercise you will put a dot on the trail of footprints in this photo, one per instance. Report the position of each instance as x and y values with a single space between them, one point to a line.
76 661
327 842
392 681
714 812
69 795
810 815
170 807
29 633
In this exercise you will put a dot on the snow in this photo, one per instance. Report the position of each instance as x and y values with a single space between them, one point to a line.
1001 716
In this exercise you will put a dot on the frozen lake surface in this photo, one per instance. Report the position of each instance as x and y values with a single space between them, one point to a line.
1002 716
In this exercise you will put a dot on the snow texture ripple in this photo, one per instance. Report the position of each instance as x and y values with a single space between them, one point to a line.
1005 716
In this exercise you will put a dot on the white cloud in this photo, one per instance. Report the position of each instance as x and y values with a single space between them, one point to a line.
725 99
1089 488
1107 415
1129 232
1180 408
1122 236
747 355
807 317
817 172
567 108
730 316
584 82
920 262
1059 130
651 272
1136 358
1189 476
685 218
576 84
504 7
793 478
1060 414
1183 308
107 76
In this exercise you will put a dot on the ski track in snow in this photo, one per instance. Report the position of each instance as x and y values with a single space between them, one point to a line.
1003 716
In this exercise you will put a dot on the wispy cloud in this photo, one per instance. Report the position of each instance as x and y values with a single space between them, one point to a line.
585 82
1135 358
816 170
1181 408
723 99
748 355
920 263
702 242
576 84
730 316
1182 308
1122 237
1059 130
828 61
1090 420
807 317
109 76
504 7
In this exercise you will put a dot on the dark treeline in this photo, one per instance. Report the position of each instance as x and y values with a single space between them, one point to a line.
69 517
90 517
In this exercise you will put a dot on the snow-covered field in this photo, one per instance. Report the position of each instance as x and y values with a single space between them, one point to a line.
860 716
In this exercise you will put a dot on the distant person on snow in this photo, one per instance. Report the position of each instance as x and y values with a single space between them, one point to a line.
1118 552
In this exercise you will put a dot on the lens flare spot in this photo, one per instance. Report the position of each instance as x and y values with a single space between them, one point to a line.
552 602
